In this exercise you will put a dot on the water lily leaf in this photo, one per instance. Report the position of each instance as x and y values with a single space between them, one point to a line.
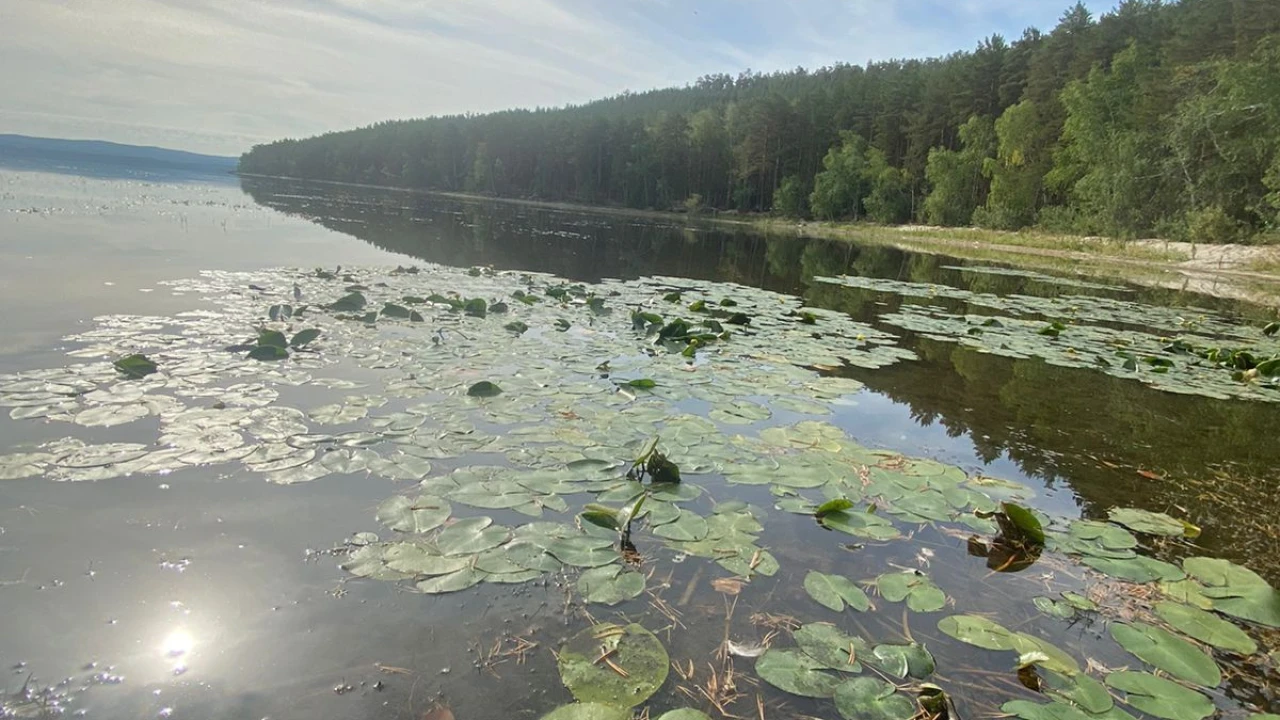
749 561
912 660
610 585
414 515
1236 590
984 633
453 582
1025 521
588 711
835 591
135 366
470 536
832 648
1161 698
833 505
530 556
1139 569
866 698
797 673
1082 690
349 303
366 562
688 527
1168 652
632 649
304 338
268 353
1145 521
860 524
1028 710
585 552
684 714
1206 627
1054 608
484 389
415 559
914 587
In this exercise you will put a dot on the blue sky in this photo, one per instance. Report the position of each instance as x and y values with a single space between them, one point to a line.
219 75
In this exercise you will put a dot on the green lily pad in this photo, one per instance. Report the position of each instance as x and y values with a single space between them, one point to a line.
470 536
912 660
414 559
588 711
1079 689
1145 521
914 587
1206 627
632 648
484 389
835 592
797 673
1236 590
688 527
135 366
585 552
1139 569
453 582
1028 710
866 698
984 633
1159 697
1054 608
684 714
414 515
1168 652
829 645
860 524
610 584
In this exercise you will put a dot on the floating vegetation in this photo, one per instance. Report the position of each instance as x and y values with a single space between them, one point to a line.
593 438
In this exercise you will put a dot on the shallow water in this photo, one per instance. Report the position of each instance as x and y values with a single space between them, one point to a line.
207 592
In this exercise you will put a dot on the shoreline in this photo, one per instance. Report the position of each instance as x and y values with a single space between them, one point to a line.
1240 272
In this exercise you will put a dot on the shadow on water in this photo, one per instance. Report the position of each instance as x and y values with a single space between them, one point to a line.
1111 442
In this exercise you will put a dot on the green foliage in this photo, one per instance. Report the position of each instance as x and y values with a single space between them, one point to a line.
1129 139
792 198
956 180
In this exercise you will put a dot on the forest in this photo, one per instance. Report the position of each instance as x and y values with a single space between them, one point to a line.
1154 119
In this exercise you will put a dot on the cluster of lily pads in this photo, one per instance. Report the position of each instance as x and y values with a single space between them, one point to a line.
1175 350
529 414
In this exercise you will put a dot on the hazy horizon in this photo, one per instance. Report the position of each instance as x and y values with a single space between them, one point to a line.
216 78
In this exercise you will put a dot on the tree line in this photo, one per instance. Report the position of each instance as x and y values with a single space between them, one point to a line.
1154 119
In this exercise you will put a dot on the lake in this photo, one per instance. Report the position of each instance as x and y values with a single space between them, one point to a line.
382 520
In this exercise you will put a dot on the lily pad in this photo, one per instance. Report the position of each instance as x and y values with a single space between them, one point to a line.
610 584
470 536
1206 627
1236 590
1168 652
835 592
1028 710
588 711
866 698
912 660
420 514
453 582
1139 569
797 673
831 647
632 649
484 389
1145 521
1159 697
914 587
684 714
135 366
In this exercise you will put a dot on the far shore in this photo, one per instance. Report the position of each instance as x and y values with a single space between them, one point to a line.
1242 272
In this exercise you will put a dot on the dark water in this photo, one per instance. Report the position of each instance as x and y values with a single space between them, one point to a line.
208 593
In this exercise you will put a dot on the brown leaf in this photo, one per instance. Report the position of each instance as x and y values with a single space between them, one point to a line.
438 712
1150 475
728 586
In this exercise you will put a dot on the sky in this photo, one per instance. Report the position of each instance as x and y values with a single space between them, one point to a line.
218 76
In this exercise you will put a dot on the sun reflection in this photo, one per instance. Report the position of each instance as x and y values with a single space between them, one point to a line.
178 643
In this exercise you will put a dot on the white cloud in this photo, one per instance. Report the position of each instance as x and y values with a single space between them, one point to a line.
218 75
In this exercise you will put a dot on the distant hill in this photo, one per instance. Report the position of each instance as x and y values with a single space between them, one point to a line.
100 158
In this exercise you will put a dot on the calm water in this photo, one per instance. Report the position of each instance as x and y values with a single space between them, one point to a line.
206 593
